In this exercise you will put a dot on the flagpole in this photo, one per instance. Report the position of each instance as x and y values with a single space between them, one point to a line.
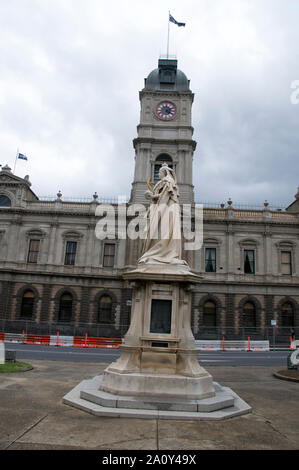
168 36
14 170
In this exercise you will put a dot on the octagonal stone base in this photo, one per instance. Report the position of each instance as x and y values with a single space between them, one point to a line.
158 386
88 397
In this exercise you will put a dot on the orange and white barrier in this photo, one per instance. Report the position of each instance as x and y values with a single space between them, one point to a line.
60 340
231 345
81 341
293 344
38 339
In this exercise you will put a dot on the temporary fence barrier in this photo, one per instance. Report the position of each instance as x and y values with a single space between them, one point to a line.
84 341
95 342
225 345
38 339
293 344
13 338
59 340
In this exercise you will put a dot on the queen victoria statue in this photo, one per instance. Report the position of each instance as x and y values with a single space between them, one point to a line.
163 244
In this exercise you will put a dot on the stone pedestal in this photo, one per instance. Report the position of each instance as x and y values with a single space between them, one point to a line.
157 374
159 358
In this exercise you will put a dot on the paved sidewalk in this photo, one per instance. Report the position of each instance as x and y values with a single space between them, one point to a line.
32 415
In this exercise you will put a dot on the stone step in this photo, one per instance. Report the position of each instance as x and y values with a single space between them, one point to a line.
91 393
74 399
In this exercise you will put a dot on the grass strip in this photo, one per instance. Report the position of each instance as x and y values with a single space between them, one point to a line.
14 367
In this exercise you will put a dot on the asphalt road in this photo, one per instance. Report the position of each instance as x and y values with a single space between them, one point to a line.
225 358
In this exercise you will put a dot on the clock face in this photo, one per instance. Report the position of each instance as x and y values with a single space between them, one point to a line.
166 110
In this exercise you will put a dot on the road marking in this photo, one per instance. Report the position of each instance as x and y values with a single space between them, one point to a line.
214 360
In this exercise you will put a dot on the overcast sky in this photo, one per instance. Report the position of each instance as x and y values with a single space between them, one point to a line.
71 70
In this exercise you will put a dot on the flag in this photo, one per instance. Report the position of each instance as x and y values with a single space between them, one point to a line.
22 157
171 18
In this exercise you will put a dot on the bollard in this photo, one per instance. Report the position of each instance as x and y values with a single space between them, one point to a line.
85 342
57 341
223 345
248 343
23 336
291 344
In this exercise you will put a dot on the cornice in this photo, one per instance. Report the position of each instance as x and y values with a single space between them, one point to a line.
160 93
78 276
152 140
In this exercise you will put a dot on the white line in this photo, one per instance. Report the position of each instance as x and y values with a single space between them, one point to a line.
214 360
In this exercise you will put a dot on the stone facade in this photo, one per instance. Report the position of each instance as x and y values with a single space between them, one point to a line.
53 266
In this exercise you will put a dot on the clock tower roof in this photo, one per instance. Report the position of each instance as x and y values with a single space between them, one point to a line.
167 77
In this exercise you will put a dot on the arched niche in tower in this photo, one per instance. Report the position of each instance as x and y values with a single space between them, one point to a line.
162 158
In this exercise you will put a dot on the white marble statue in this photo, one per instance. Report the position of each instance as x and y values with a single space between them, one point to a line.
163 244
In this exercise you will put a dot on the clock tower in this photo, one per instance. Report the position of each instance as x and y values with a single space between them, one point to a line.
165 131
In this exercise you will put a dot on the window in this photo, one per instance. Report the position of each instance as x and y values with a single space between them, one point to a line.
209 313
105 309
33 251
249 315
109 255
163 158
286 262
65 308
287 314
210 260
249 262
70 253
27 304
167 76
4 201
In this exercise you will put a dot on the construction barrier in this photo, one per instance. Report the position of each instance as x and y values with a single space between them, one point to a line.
58 340
225 345
114 343
86 342
13 338
38 339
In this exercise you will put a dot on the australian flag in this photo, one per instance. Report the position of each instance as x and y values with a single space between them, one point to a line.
171 18
22 157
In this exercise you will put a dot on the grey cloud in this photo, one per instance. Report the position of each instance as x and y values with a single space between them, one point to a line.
87 79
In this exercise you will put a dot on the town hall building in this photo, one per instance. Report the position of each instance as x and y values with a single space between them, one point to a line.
56 275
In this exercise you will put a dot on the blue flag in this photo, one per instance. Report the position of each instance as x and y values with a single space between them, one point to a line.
171 18
22 157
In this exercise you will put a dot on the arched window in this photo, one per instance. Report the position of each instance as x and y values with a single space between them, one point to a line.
4 201
249 315
287 314
65 308
162 158
105 309
209 313
27 304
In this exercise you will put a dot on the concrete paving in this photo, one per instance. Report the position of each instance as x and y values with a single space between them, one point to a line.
33 417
